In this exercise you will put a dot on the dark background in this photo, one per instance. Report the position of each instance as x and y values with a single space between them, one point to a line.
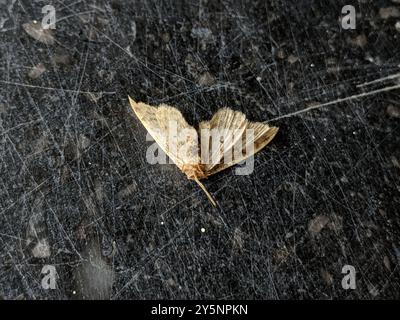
74 177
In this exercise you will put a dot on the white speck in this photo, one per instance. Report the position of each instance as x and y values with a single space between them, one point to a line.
312 65
258 79
74 292
162 223
369 58
324 139
203 230
354 132
397 26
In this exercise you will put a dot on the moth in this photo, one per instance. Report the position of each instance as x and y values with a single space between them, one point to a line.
233 130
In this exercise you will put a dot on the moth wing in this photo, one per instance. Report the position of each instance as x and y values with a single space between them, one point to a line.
224 129
170 130
262 134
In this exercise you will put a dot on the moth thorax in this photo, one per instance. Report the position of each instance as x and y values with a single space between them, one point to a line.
194 171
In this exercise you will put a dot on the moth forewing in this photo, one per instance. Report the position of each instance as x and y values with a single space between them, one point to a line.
154 153
165 124
171 140
226 127
263 134
188 146
205 143
221 142
244 153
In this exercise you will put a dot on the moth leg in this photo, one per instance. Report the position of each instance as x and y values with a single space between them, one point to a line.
205 191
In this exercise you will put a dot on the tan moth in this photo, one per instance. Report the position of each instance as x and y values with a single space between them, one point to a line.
200 162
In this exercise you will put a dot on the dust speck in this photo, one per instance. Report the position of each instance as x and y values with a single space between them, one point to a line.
317 224
37 71
389 12
393 111
35 30
41 249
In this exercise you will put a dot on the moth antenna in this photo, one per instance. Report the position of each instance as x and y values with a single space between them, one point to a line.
205 191
353 97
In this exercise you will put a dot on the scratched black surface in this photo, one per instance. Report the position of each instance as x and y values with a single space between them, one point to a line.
74 177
